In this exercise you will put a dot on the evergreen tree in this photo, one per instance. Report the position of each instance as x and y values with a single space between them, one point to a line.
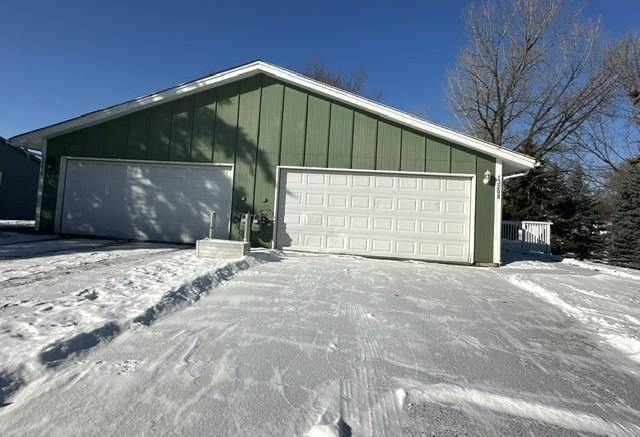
625 227
581 222
534 196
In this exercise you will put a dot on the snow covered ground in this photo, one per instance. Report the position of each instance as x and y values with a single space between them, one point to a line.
301 344
12 224
60 297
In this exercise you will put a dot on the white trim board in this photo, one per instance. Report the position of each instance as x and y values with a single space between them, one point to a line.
43 161
37 138
497 214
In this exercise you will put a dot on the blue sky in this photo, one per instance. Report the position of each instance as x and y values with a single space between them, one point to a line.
64 58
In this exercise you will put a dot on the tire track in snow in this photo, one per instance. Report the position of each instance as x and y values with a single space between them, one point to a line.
367 397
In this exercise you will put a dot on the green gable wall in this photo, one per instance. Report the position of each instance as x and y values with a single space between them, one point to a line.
259 123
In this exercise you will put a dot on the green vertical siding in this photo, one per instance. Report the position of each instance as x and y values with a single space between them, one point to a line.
204 122
246 151
224 146
340 137
294 125
268 155
365 138
117 137
413 152
75 143
462 161
159 133
181 129
137 140
259 123
438 157
96 139
317 137
388 150
485 198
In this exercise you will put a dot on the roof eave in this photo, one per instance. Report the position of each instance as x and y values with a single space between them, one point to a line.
37 139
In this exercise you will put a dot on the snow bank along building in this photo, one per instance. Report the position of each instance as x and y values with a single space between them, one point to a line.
323 169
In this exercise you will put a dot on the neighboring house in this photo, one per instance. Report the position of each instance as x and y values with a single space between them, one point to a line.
325 170
19 170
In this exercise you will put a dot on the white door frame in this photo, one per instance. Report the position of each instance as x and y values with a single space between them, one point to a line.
62 179
471 177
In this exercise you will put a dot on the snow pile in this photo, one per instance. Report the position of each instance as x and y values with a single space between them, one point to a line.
328 426
616 334
620 272
17 224
53 308
472 398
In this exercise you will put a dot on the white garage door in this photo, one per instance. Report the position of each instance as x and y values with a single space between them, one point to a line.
144 201
376 214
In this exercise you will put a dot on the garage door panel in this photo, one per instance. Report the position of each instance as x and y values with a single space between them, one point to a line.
314 199
145 201
406 216
360 202
406 225
408 184
430 205
406 248
430 249
336 242
337 201
336 221
340 180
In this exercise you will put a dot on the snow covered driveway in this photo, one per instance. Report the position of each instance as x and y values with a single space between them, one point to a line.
60 297
329 345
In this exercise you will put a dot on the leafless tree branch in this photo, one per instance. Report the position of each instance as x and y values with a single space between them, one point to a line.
531 76
353 82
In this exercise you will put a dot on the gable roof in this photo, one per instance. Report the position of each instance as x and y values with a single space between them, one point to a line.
513 162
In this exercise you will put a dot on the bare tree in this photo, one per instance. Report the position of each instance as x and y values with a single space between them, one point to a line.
530 77
612 134
353 82
624 64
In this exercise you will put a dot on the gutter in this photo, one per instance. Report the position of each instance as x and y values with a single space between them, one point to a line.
514 175
518 175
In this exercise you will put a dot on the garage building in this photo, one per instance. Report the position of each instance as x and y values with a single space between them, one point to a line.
324 170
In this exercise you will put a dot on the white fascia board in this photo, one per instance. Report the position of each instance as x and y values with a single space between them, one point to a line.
37 138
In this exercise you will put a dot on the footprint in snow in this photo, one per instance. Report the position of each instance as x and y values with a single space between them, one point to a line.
88 294
127 366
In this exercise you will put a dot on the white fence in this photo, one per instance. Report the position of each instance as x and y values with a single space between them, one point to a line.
527 235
